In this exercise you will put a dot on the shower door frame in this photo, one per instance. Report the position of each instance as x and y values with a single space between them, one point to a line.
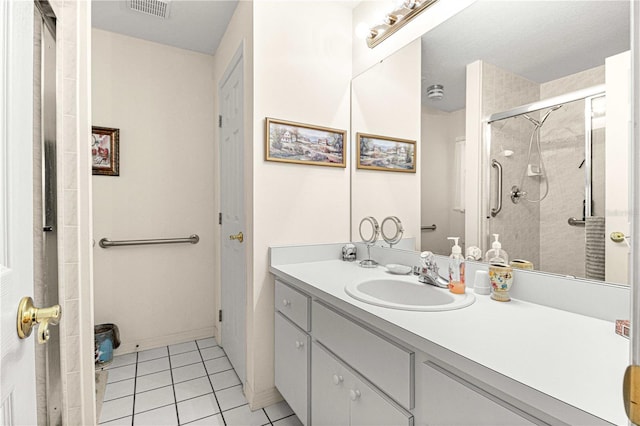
583 94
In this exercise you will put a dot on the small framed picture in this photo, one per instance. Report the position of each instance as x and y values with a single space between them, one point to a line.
385 153
105 151
290 142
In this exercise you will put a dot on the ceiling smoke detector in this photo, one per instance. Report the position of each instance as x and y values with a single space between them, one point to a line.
435 92
157 8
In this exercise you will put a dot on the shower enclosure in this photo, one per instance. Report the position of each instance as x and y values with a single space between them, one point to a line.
546 182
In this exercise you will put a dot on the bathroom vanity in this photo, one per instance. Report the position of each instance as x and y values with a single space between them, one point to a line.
341 361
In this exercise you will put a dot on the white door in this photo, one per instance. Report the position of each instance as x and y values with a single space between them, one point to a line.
618 83
233 257
17 362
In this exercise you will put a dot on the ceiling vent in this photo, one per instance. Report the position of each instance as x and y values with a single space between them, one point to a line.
158 8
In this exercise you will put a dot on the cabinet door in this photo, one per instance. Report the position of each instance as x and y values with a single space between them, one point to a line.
329 395
368 407
448 401
292 366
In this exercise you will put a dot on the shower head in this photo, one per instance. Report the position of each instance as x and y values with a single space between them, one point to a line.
544 117
549 112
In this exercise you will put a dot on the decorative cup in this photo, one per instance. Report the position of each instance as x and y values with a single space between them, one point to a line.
501 279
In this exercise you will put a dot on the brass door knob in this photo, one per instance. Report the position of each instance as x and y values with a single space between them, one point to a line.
617 237
29 315
238 237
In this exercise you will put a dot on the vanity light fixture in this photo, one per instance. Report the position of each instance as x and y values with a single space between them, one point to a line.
435 92
393 21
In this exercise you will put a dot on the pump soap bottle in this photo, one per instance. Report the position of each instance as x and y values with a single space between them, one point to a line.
456 268
496 254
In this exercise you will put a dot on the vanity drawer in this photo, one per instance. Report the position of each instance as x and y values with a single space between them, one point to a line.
293 304
386 364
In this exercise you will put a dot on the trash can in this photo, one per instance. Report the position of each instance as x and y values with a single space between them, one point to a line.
107 338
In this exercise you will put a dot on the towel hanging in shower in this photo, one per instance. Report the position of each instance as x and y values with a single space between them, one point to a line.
594 252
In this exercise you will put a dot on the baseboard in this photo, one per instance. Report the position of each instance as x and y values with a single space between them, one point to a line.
166 340
261 399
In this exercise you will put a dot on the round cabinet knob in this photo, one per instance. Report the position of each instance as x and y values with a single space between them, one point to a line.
299 345
286 302
354 394
337 379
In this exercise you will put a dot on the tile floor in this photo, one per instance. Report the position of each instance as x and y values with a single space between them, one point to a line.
191 383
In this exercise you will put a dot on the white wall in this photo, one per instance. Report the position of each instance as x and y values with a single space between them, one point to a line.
160 98
386 102
302 58
439 132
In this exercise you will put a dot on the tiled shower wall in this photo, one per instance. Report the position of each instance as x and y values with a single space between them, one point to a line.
517 224
539 232
562 247
74 218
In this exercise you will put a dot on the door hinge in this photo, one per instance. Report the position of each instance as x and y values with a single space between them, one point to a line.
220 218
220 315
219 121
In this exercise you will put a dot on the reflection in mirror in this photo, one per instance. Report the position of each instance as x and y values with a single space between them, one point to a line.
492 58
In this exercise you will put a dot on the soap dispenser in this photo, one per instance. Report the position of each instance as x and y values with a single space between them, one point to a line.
456 268
496 254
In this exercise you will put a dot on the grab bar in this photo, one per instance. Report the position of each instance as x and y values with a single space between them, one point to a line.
428 228
106 243
576 222
495 164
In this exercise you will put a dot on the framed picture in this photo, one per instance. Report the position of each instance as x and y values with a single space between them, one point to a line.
385 153
291 142
105 151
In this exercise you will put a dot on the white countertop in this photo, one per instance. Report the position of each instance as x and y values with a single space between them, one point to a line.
574 358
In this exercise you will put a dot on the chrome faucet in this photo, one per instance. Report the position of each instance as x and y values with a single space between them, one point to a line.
428 271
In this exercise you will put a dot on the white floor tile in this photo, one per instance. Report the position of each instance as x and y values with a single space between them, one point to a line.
154 366
188 372
121 373
207 343
156 398
185 358
116 409
208 421
125 421
212 352
165 416
122 360
289 421
182 347
153 381
243 416
150 354
119 389
278 411
217 365
224 380
197 408
231 398
192 388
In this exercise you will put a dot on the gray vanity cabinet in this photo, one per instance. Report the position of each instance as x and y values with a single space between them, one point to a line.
292 349
341 397
446 399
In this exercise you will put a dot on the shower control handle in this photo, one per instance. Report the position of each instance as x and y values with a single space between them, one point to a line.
494 211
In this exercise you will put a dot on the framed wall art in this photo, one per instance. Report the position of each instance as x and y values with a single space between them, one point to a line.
385 153
105 151
290 142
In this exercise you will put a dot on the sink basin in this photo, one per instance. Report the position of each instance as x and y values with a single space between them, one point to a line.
407 295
